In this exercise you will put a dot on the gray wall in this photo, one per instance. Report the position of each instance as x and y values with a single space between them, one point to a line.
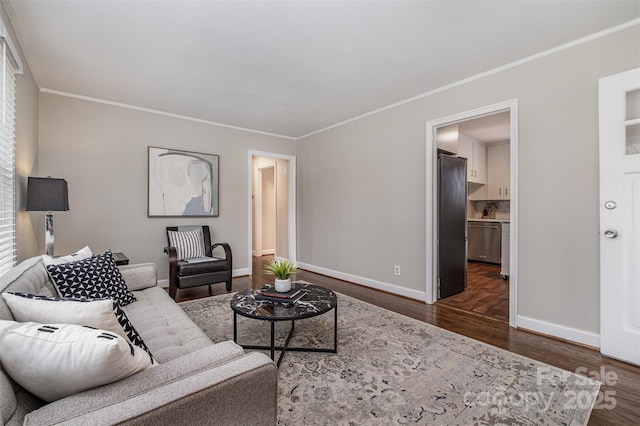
361 194
361 186
101 151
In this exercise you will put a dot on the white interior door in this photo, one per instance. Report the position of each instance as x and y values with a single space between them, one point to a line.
620 216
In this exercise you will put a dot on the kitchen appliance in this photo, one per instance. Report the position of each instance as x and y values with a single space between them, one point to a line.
504 258
484 241
452 225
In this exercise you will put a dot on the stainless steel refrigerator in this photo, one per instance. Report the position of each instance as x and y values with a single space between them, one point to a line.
452 225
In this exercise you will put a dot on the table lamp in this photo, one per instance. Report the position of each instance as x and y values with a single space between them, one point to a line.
47 194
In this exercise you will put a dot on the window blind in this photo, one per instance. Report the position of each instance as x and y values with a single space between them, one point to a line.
7 160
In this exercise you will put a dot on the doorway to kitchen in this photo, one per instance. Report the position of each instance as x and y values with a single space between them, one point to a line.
474 230
271 205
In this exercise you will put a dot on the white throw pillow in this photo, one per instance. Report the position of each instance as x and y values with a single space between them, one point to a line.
53 361
104 314
83 253
93 313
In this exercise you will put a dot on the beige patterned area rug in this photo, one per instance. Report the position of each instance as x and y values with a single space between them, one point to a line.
392 369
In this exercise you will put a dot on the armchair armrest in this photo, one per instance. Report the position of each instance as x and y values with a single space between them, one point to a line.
172 252
227 251
198 388
139 276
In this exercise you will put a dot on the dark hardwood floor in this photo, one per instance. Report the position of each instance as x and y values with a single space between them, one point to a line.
487 294
624 390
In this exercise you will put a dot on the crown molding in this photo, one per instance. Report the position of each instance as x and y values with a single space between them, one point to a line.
158 112
497 70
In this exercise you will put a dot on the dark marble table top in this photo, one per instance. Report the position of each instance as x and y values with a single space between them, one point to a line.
316 301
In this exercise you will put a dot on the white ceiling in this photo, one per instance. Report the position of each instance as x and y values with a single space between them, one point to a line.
288 68
488 129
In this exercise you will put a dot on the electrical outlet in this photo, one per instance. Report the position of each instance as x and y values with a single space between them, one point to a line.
396 269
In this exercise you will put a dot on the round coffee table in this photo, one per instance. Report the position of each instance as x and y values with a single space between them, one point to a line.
316 301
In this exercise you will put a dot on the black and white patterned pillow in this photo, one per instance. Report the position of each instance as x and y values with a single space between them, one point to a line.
97 276
188 244
128 328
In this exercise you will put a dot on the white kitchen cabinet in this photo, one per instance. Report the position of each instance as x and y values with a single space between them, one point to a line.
477 192
476 154
498 172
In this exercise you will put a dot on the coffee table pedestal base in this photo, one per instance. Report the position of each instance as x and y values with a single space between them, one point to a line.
286 347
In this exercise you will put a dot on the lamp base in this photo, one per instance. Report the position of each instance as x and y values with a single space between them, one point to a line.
49 238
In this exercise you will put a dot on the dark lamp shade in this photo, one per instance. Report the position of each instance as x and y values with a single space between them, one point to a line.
47 194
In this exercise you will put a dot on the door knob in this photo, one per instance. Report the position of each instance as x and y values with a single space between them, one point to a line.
610 205
610 233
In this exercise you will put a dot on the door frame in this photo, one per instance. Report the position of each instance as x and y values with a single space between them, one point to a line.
431 285
291 202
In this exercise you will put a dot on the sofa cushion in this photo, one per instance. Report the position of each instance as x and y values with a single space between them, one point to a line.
166 329
188 244
104 314
83 253
56 360
139 276
95 277
30 276
180 371
8 402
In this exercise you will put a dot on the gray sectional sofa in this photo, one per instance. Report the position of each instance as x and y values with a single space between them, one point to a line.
197 381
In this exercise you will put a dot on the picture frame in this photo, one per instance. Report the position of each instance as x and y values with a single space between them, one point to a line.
182 183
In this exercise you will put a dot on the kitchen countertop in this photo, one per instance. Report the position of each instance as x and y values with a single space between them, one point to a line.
488 220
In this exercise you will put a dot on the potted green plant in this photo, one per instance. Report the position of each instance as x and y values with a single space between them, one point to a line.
491 207
281 268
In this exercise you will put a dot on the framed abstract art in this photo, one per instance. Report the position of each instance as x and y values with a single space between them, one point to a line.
182 183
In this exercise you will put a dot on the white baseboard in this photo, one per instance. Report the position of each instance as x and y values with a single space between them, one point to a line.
240 272
568 333
367 282
560 331
263 252
236 273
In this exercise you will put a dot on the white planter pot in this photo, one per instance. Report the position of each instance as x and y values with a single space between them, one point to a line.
283 285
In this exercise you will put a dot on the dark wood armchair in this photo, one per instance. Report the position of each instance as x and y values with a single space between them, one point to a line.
194 272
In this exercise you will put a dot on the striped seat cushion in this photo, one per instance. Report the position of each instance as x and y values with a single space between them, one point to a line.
188 244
